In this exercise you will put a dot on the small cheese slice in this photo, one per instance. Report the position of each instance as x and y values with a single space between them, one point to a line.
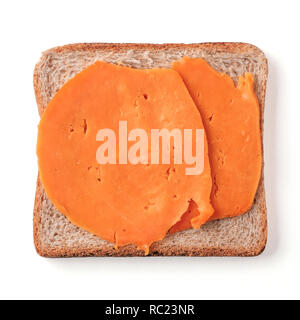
122 203
231 118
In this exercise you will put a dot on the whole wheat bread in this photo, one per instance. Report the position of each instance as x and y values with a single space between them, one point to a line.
56 236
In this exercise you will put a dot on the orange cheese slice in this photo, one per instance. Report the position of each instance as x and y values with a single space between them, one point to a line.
122 203
231 119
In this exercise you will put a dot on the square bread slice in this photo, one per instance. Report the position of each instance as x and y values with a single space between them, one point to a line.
56 236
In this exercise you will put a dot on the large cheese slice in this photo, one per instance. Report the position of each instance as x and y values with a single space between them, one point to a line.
122 203
231 119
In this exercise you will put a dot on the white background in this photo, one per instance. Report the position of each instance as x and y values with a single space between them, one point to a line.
29 27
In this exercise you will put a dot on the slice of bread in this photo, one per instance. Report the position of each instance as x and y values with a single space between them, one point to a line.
56 236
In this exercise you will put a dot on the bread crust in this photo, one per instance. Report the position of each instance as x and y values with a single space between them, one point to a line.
156 249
